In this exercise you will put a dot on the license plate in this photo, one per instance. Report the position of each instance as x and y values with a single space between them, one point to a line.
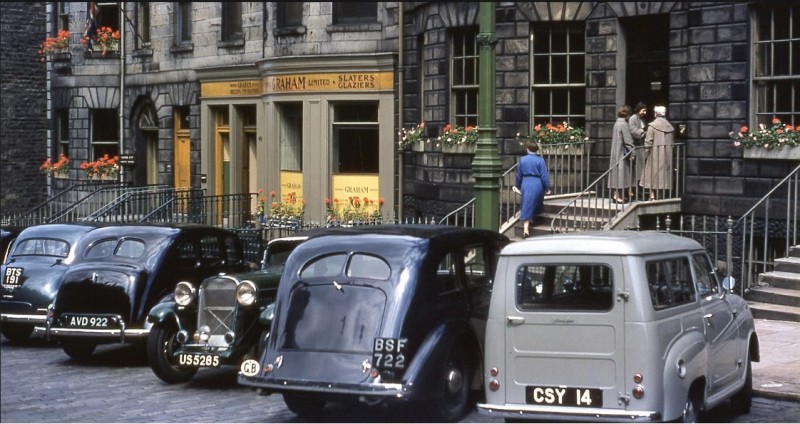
12 277
389 354
88 321
198 360
564 396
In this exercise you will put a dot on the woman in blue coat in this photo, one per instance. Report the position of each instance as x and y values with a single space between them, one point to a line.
533 182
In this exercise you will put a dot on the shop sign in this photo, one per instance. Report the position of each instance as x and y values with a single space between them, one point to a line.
292 182
230 88
338 81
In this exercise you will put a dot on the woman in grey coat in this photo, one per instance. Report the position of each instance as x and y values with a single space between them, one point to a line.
658 142
619 179
637 125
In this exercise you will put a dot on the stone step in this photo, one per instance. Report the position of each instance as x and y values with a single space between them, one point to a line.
775 295
790 264
774 312
780 279
794 252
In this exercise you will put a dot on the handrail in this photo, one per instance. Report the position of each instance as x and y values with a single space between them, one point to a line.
746 225
594 208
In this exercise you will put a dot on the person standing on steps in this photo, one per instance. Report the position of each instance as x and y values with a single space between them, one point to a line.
619 179
658 144
638 126
532 183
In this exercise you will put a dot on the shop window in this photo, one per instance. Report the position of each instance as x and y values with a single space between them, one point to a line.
291 136
558 83
105 133
464 77
289 14
142 35
357 12
355 138
776 77
62 132
63 16
232 21
183 23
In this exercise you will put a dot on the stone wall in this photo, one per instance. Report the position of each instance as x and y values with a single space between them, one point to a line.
23 120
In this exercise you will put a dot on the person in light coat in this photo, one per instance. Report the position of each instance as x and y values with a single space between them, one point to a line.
619 179
658 141
638 129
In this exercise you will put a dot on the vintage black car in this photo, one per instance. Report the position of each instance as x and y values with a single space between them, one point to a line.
7 236
381 314
218 322
120 272
32 274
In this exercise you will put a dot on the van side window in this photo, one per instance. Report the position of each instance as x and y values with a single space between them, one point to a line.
570 287
705 277
670 282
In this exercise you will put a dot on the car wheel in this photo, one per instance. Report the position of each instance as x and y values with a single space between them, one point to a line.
691 409
743 399
454 386
304 405
161 343
17 333
79 351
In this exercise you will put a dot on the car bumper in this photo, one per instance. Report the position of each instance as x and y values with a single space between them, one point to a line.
372 392
113 335
568 414
25 318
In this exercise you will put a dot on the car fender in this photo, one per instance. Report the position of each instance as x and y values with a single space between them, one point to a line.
267 315
684 364
432 353
162 311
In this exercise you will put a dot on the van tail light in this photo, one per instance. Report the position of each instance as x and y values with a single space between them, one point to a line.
638 378
494 371
494 385
638 392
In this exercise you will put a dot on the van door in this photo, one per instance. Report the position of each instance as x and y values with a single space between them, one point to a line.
565 333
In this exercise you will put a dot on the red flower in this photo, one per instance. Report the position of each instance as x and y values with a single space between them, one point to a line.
744 129
775 120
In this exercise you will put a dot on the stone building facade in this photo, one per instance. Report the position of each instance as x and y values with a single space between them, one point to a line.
23 123
307 99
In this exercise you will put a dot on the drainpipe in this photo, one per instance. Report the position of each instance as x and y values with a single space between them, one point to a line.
400 123
121 85
486 165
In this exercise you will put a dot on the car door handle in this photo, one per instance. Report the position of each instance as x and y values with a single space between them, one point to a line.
708 317
515 320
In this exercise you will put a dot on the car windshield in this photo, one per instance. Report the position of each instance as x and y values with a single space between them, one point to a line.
127 248
572 287
42 247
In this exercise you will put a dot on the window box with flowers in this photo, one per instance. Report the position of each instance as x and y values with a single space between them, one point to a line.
413 138
58 169
778 141
104 41
105 168
55 48
287 212
458 139
557 139
354 210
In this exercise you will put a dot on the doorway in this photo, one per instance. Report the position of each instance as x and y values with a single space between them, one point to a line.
647 63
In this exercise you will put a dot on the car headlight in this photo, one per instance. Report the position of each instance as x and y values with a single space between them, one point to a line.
184 293
246 293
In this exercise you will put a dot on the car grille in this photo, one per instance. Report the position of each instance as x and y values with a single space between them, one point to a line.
217 303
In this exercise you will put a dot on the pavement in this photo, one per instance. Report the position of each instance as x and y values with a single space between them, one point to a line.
777 375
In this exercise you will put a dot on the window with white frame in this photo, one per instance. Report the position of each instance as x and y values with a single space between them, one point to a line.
558 81
62 132
105 133
464 77
142 35
776 68
232 21
183 23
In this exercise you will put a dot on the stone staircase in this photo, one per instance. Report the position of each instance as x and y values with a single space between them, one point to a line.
777 295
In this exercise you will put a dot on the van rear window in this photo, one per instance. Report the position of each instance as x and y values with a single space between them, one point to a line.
569 287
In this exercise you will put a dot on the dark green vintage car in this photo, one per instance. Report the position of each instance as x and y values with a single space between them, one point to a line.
218 322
